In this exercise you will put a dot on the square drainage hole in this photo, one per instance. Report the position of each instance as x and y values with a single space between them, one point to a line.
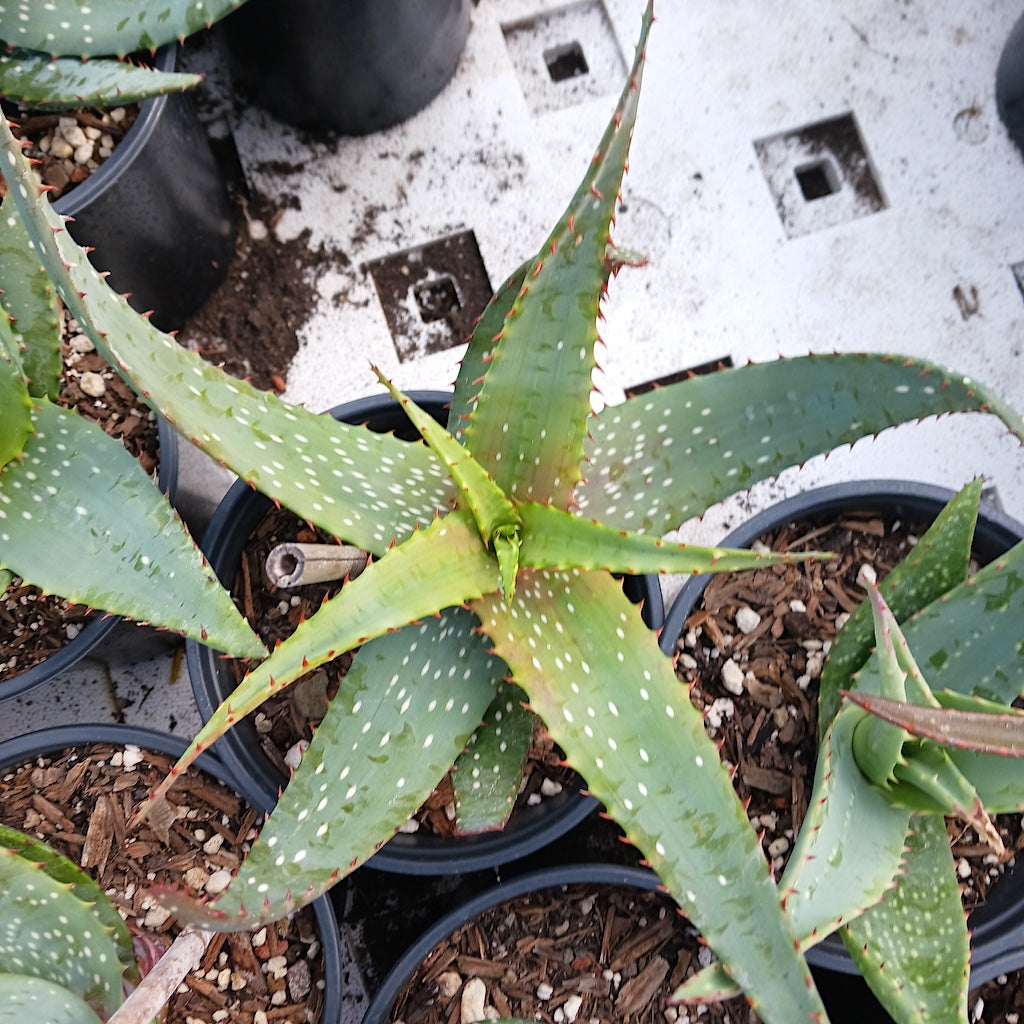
437 298
817 180
432 294
710 366
566 61
565 57
820 175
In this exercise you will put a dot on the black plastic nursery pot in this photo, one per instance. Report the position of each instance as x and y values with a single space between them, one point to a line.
352 67
157 211
212 680
50 742
834 988
99 625
997 926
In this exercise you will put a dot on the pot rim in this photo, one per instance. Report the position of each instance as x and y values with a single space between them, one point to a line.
127 151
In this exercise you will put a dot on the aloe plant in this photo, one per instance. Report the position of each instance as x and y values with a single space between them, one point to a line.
79 517
495 546
78 976
45 66
898 755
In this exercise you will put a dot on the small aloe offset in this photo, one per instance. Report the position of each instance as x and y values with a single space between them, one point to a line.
496 546
45 66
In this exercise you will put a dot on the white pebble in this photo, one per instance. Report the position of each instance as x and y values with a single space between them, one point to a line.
732 677
544 991
73 135
81 343
571 1007
213 844
293 757
777 847
449 983
93 384
83 153
131 757
550 787
747 620
474 997
721 709
218 881
796 605
156 917
61 149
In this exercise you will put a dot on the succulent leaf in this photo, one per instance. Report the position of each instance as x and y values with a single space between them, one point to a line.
83 28
937 563
25 998
849 849
38 82
667 455
550 332
489 772
140 563
553 539
495 515
29 299
15 402
926 901
404 710
612 702
985 731
66 872
441 566
83 956
363 487
983 655
999 781
477 357
913 948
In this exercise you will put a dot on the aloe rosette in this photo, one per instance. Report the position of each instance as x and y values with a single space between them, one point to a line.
45 66
872 860
495 547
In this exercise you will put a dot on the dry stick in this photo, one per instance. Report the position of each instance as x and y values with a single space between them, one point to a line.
156 988
292 565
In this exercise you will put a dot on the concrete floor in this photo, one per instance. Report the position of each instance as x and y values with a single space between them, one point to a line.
916 247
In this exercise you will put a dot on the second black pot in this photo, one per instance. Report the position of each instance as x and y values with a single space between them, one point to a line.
997 943
212 681
24 749
353 67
